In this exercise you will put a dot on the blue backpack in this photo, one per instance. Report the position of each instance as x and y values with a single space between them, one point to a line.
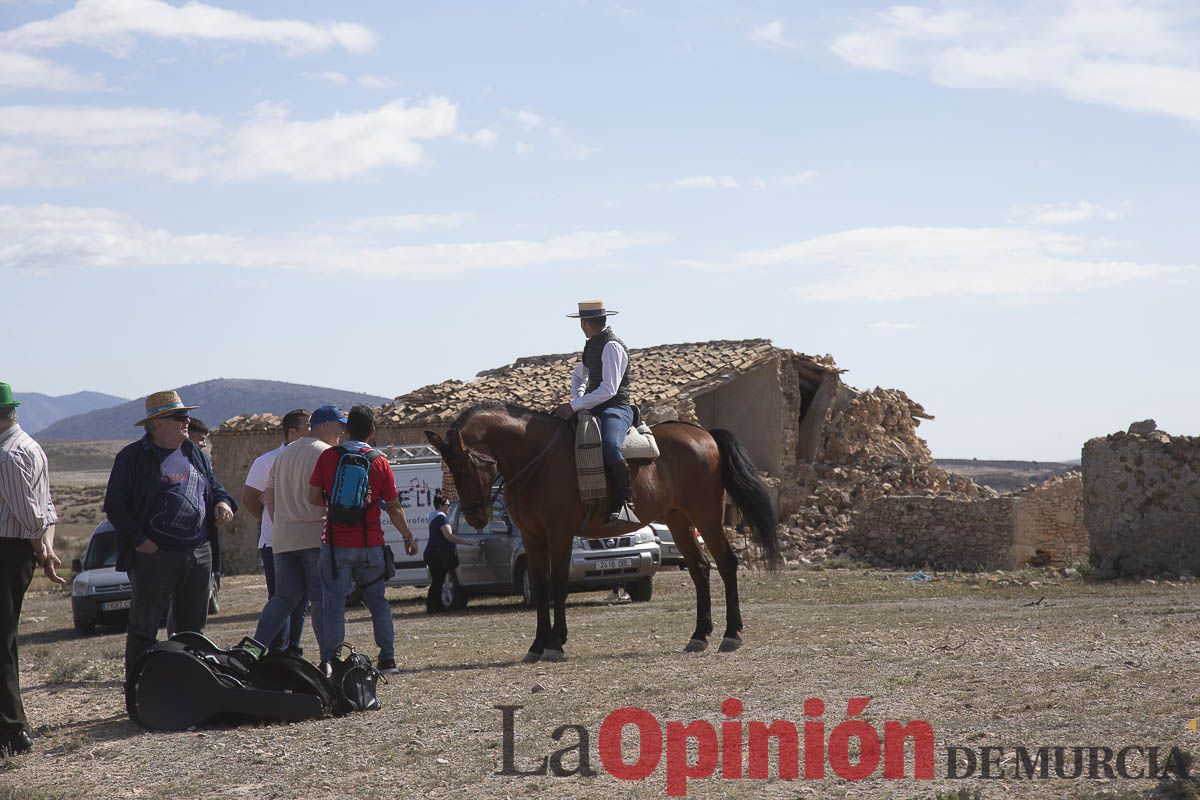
348 502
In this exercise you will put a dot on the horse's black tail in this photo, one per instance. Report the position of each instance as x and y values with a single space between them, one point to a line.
749 493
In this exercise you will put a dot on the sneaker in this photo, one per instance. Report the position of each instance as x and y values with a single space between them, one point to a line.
387 666
618 595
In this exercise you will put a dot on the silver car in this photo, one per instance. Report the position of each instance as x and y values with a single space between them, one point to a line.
99 594
494 562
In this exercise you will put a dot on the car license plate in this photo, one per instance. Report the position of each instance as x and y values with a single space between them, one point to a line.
115 605
615 563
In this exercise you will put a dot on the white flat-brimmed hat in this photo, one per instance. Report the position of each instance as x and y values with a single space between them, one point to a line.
592 308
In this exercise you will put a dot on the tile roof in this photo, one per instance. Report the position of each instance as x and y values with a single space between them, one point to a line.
662 375
666 374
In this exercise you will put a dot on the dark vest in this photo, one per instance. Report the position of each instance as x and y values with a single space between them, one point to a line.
593 360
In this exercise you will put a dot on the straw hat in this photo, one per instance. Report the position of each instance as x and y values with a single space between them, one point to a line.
163 404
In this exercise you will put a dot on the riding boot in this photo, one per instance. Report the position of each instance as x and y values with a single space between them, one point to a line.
618 473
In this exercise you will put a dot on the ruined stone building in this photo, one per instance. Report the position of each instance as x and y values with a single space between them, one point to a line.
830 452
1142 502
824 446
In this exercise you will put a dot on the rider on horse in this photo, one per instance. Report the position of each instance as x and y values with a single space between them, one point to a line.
600 384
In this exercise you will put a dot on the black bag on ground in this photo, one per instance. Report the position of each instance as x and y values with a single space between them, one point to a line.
354 679
188 680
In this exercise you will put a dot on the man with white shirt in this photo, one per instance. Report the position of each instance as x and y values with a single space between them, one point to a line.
27 519
600 384
295 425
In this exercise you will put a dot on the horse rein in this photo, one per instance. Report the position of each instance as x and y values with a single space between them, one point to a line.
524 473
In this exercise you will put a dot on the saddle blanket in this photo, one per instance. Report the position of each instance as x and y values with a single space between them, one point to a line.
589 456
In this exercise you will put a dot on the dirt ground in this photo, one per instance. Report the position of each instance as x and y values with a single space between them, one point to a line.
977 656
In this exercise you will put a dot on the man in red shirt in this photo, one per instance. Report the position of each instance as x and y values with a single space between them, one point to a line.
355 550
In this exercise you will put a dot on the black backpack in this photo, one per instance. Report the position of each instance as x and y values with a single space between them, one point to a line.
353 680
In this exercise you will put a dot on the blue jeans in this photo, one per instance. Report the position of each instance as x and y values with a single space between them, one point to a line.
614 424
297 581
284 641
362 564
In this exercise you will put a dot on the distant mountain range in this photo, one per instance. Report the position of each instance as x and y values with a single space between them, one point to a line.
38 410
218 400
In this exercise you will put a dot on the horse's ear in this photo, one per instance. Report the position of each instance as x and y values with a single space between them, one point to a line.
435 440
456 442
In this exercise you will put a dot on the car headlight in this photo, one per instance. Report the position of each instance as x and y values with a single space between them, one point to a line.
577 543
644 536
81 586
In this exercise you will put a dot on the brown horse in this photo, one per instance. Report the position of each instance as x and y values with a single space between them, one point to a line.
683 487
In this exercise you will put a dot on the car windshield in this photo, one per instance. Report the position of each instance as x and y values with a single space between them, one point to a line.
102 550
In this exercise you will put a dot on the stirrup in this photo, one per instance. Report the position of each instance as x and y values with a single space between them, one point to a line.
621 517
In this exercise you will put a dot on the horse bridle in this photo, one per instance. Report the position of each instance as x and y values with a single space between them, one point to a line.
525 473
488 497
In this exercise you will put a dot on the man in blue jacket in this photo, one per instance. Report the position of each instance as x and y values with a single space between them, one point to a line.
166 503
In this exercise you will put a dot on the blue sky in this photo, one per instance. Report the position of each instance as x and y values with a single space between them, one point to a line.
989 205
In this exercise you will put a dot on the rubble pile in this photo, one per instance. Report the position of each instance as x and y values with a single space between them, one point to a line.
871 449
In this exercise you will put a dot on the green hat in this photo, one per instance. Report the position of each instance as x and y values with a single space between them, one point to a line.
6 397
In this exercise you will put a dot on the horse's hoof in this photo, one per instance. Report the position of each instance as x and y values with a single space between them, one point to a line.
696 646
553 656
729 644
531 658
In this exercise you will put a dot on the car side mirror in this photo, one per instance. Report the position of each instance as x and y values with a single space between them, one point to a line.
76 565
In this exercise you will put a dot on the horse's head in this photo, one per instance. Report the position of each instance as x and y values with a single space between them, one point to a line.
473 472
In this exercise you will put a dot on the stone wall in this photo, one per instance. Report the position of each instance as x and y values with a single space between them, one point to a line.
1040 526
751 407
1142 502
936 532
1049 523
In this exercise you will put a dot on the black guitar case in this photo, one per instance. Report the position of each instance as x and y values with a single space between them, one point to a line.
188 680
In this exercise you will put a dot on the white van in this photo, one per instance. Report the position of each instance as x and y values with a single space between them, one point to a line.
417 469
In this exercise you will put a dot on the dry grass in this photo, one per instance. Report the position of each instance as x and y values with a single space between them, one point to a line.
975 655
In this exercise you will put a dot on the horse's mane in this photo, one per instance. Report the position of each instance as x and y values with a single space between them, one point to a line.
514 409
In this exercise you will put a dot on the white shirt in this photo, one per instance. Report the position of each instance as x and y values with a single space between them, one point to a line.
614 361
26 509
256 478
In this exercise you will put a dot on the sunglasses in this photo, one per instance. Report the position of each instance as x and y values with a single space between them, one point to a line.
179 416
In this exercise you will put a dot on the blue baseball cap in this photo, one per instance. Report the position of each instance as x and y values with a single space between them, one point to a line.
326 414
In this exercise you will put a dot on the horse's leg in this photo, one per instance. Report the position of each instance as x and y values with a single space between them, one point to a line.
537 562
711 528
698 567
560 571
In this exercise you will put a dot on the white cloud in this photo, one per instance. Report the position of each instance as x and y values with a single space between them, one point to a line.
526 119
904 263
899 327
1136 55
799 179
52 238
771 35
400 223
374 82
484 137
1068 213
335 78
730 182
65 145
115 25
329 76
705 182
21 71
